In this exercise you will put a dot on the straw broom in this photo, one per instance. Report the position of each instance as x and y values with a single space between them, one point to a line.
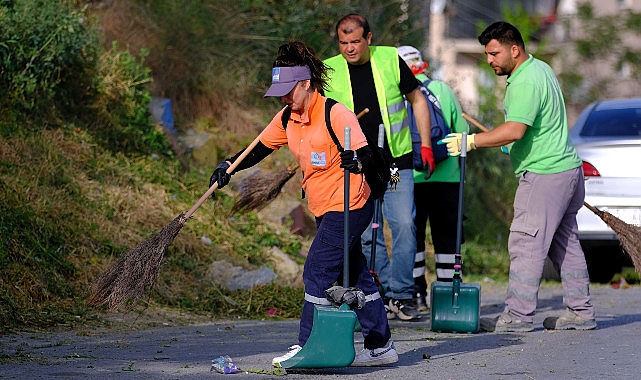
629 235
126 280
257 190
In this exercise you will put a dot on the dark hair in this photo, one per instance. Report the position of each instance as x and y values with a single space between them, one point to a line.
504 33
358 19
296 53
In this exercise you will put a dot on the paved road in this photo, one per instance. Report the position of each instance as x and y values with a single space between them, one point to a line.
186 352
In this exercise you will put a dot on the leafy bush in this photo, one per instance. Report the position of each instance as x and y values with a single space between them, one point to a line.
48 53
54 68
631 276
122 102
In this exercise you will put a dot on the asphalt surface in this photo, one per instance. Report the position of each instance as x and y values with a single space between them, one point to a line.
186 352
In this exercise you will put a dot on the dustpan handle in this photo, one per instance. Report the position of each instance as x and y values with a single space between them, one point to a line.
346 199
459 218
377 206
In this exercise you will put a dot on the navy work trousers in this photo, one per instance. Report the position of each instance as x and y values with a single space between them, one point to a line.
324 267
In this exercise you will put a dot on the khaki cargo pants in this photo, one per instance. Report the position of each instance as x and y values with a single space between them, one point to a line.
544 224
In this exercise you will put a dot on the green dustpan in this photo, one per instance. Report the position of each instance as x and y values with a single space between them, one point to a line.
456 306
331 341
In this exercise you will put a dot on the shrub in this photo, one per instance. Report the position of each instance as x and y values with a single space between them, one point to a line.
48 52
54 68
122 102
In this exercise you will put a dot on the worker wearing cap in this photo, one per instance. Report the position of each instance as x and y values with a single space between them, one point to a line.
297 77
436 198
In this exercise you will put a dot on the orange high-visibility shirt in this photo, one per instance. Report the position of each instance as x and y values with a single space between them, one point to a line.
318 156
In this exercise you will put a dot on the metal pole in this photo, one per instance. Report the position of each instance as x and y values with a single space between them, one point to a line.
346 200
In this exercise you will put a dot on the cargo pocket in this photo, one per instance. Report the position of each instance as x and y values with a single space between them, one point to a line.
332 239
522 238
328 254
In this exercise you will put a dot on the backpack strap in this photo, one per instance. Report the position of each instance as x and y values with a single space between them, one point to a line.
431 97
329 103
284 117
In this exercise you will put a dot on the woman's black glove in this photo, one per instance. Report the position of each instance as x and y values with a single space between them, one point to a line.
220 175
349 162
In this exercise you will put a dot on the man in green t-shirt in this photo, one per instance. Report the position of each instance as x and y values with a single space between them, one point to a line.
550 190
436 198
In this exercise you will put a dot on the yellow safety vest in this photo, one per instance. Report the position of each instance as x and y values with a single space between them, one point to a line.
387 77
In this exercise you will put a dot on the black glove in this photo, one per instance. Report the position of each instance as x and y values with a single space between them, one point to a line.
349 162
220 175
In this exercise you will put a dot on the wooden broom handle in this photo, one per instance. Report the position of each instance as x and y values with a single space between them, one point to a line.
592 208
213 187
363 112
474 122
232 167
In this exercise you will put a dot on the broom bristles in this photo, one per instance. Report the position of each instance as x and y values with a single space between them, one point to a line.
126 280
629 237
258 189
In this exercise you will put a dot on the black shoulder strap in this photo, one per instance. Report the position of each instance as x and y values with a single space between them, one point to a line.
284 117
329 103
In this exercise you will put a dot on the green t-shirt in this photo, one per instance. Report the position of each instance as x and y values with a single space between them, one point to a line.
533 97
447 170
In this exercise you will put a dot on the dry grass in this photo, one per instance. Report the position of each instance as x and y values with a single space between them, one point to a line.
221 100
70 210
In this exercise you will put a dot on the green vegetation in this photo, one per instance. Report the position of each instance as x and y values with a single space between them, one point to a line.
69 207
628 274
47 54
604 40
85 175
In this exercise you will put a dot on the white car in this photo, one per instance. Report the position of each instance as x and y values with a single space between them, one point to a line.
607 136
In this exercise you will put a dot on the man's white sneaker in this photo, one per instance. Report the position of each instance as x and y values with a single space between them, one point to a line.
293 350
377 356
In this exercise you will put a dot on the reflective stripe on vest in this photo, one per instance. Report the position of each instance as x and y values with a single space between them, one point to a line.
386 72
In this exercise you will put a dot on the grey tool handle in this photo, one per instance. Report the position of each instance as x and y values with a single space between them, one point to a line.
346 198
458 262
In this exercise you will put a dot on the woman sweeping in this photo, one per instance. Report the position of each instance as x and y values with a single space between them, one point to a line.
298 78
